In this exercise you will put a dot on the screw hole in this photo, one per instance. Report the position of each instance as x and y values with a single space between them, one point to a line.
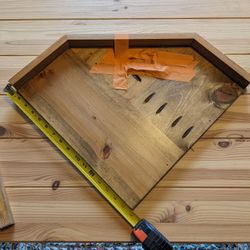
187 132
158 111
149 97
137 78
176 121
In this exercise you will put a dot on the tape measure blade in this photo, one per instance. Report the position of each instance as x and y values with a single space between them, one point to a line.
73 156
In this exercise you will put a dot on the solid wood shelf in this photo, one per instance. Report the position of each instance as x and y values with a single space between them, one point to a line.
131 138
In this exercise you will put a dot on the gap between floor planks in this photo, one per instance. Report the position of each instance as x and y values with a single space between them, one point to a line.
124 9
32 37
210 163
194 213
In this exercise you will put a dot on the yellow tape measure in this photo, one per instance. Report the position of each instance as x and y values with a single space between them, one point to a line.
77 160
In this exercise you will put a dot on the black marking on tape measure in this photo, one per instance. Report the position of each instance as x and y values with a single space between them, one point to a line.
91 172
72 155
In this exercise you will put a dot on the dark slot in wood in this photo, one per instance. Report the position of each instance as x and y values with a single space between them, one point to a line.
186 133
137 78
149 97
159 110
176 121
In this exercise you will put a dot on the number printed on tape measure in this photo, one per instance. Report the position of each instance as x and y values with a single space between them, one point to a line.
74 157
91 172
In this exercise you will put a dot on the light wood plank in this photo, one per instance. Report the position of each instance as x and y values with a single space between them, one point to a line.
10 65
210 163
242 60
32 37
48 9
205 232
13 123
234 123
6 218
86 216
175 232
213 163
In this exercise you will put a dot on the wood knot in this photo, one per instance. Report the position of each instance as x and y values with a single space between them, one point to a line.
188 208
224 95
170 219
2 131
106 151
223 144
55 185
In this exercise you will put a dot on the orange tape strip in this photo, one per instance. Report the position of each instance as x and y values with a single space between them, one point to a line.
120 80
148 62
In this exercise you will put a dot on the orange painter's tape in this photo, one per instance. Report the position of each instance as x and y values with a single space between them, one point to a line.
120 80
149 62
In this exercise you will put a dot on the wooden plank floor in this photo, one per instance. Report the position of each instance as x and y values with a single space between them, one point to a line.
206 197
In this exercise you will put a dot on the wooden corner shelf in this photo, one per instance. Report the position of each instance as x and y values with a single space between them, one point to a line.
120 133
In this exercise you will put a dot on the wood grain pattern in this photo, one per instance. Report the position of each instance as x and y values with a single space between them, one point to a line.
169 209
234 123
105 130
13 123
123 9
242 60
10 65
6 217
178 98
107 126
70 232
210 163
29 37
176 232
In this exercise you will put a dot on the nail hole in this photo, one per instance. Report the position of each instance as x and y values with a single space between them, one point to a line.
149 97
137 78
176 121
161 108
187 132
